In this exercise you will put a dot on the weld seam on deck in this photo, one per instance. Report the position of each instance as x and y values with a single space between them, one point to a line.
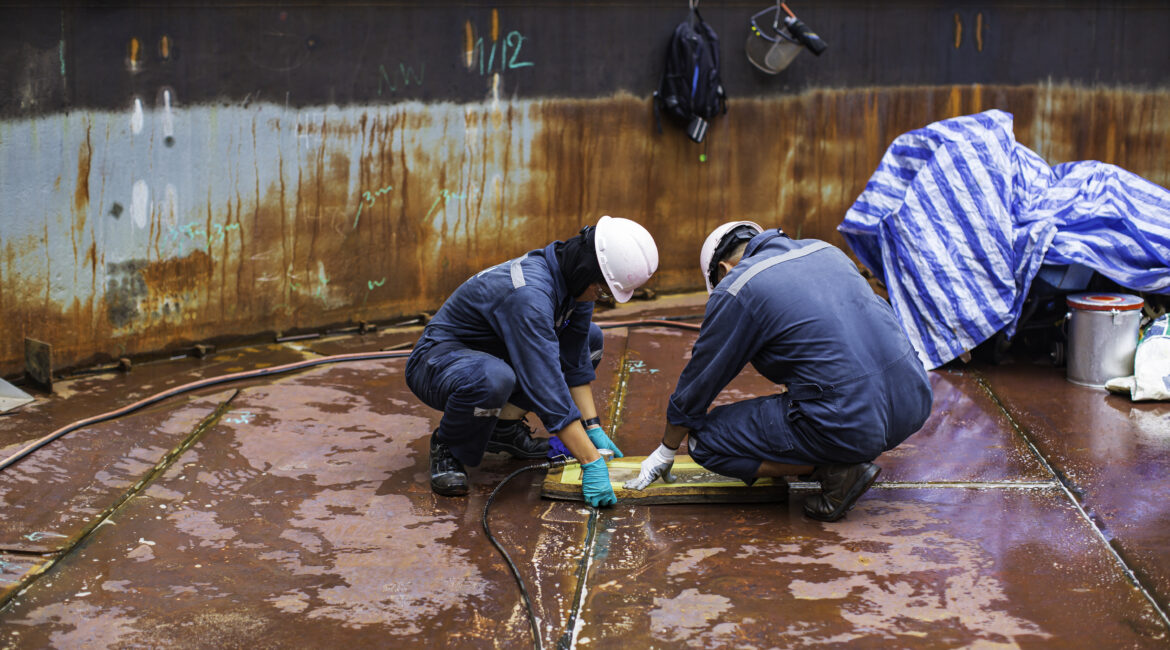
104 517
616 406
1126 570
23 552
574 624
975 485
618 403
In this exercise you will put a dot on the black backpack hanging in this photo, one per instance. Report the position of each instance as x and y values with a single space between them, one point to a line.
691 91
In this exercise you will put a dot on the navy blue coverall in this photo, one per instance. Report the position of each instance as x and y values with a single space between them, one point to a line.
509 334
800 312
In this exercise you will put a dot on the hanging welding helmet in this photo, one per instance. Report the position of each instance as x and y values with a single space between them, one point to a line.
770 46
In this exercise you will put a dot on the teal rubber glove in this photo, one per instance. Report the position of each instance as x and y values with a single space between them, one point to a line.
601 441
595 484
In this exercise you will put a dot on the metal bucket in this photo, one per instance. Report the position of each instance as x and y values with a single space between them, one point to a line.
1102 336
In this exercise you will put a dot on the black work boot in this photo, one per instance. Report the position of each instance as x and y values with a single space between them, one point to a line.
448 477
514 437
841 486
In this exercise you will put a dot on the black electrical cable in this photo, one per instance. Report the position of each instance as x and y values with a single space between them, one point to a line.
566 640
536 642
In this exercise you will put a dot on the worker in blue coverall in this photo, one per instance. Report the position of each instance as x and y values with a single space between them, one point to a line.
517 338
802 315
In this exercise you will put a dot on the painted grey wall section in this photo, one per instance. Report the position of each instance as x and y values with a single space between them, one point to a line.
95 197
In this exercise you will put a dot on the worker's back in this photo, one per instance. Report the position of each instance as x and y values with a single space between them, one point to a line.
849 367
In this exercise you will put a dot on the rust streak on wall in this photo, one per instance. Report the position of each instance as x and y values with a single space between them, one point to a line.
340 215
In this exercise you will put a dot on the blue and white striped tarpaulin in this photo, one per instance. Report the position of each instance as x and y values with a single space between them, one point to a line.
959 217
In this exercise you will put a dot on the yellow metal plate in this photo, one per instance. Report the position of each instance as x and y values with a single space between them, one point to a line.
693 484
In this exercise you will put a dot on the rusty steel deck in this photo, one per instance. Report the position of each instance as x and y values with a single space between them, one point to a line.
295 510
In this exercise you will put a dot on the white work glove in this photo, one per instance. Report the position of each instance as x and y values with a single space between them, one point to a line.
657 465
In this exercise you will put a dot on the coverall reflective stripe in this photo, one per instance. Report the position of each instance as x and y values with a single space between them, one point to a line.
510 333
812 323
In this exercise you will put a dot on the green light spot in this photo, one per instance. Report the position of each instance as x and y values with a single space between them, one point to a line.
702 157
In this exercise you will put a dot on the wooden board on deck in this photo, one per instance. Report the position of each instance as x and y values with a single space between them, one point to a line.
693 485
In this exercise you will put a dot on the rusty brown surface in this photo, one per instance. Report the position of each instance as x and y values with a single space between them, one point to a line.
88 395
304 517
915 568
1114 454
967 438
306 502
17 569
88 472
315 243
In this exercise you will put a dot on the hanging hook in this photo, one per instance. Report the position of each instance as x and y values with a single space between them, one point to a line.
779 7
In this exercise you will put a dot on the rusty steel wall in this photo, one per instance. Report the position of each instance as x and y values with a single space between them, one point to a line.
174 215
272 220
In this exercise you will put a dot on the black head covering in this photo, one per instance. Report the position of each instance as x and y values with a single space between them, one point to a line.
736 236
578 260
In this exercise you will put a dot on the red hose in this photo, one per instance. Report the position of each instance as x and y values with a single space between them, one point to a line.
260 372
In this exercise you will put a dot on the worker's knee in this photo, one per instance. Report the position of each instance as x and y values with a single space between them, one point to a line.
496 384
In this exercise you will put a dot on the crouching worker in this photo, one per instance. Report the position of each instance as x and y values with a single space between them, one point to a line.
801 313
519 337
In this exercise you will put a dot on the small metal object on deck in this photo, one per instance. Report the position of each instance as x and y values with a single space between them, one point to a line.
12 397
38 362
203 349
692 484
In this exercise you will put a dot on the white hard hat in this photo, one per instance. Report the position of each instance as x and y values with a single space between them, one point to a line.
626 254
712 243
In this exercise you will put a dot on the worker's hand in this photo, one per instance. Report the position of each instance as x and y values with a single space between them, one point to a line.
601 441
656 465
595 484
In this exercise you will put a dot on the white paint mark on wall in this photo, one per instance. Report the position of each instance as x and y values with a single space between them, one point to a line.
136 118
168 118
139 203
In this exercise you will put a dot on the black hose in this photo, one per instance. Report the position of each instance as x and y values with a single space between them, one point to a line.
536 643
566 640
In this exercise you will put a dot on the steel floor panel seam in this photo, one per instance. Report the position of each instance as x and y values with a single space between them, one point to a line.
137 488
968 485
618 401
1062 483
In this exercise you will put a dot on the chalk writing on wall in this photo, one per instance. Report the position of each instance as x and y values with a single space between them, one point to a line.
487 57
392 80
201 238
368 199
502 54
445 196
